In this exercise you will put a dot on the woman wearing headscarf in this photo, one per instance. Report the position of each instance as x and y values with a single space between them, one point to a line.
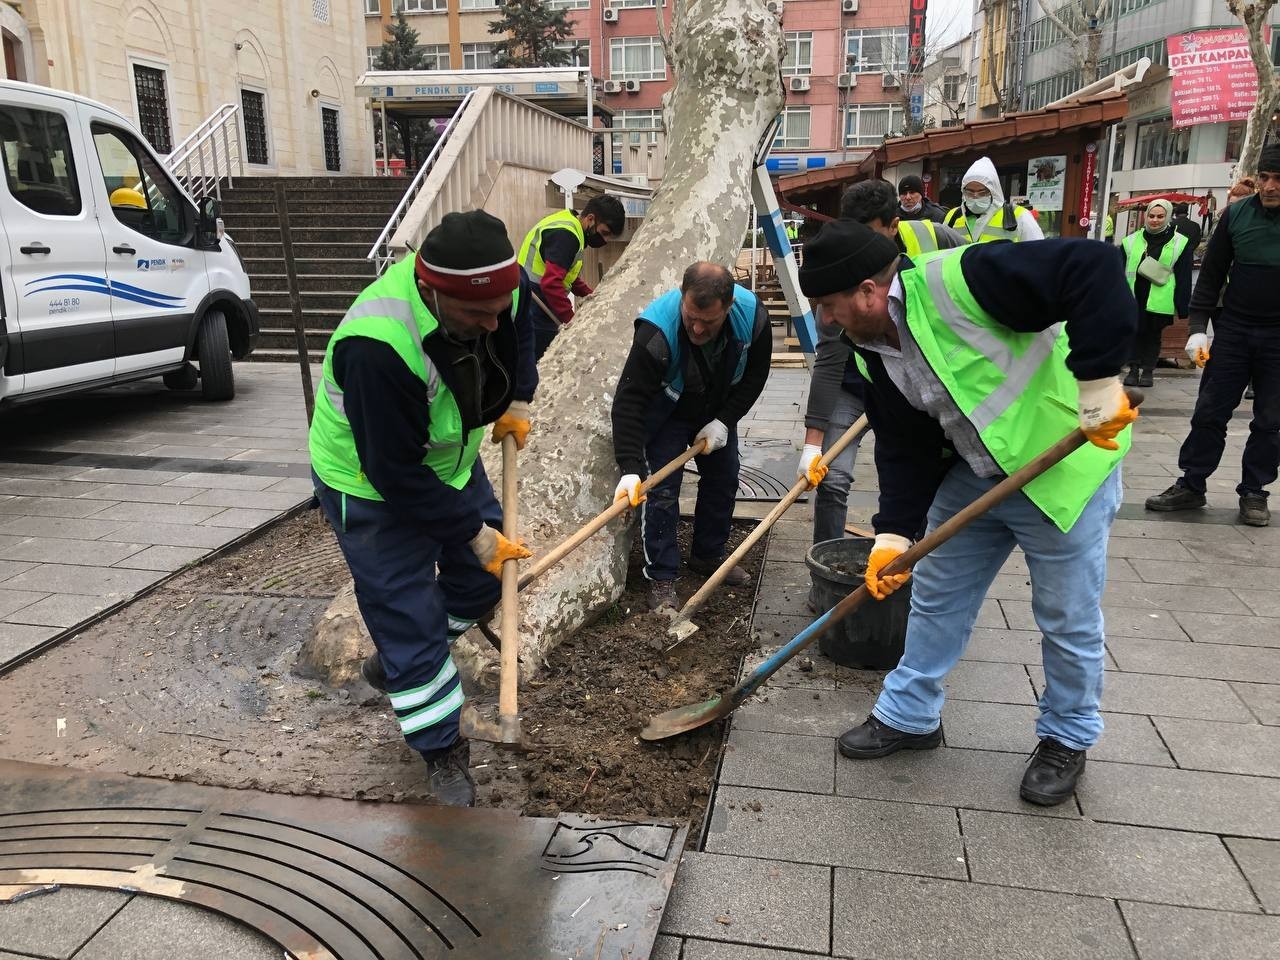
1158 265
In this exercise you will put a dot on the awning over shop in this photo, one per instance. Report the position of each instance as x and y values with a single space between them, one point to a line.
1171 197
566 91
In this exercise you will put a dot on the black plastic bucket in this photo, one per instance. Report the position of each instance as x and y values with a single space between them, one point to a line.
872 636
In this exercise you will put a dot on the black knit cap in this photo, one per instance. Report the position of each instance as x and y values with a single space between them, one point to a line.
1269 160
468 256
910 184
842 255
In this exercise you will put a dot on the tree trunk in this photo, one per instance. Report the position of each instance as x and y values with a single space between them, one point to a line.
1254 18
727 57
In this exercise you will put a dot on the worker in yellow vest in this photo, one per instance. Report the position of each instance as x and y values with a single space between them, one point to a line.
552 256
984 214
1158 265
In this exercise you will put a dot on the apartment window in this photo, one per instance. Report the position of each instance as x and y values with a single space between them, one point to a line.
153 107
579 52
371 57
372 8
478 4
1235 140
254 105
420 6
637 58
1159 145
634 3
646 120
877 49
39 163
972 97
477 56
436 56
952 121
329 131
1122 135
793 132
951 84
569 4
799 59
320 11
866 125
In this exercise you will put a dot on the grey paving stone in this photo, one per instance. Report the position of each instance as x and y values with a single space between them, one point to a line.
1224 747
1264 603
17 638
1176 530
258 455
1262 699
1006 586
56 924
792 530
766 903
1199 574
41 487
63 609
92 553
156 513
776 629
149 928
1011 728
89 581
242 519
191 452
1260 862
1224 803
1226 628
819 713
977 779
11 568
709 950
1211 661
1118 621
837 831
992 682
1003 646
164 559
125 475
137 492
783 761
173 534
67 529
224 481
293 485
253 499
11 600
66 507
1174 597
822 677
668 948
1102 859
789 549
1158 695
273 444
1233 554
54 471
1140 547
991 614
917 918
1173 933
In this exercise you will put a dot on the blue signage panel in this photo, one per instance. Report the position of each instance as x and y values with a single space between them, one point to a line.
794 164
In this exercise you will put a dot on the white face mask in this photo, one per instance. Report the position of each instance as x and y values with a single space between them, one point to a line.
979 205
912 208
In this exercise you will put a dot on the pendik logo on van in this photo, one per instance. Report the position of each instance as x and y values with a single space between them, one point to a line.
60 282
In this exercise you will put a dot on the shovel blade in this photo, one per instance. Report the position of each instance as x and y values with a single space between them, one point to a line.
683 719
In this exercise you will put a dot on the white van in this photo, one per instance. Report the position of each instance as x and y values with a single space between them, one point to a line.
109 271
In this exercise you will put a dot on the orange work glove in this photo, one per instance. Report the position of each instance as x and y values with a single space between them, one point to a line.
888 546
515 422
492 549
1104 411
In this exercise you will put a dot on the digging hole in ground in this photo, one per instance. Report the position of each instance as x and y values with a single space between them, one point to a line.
195 682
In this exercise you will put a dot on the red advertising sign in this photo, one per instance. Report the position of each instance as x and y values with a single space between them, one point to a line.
1086 182
915 31
1213 77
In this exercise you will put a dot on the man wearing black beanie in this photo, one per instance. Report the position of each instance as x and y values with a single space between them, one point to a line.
975 361
1240 269
914 205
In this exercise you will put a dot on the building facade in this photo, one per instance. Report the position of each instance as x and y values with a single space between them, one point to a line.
844 66
947 92
291 66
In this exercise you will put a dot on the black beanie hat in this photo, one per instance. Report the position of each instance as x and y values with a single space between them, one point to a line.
468 256
910 184
842 255
1269 160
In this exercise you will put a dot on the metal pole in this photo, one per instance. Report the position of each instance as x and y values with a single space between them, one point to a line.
386 144
295 298
226 152
753 248
591 103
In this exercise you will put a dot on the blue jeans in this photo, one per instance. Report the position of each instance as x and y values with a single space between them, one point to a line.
1068 573
831 499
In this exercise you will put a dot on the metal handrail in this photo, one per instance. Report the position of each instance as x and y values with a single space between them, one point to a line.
380 252
202 141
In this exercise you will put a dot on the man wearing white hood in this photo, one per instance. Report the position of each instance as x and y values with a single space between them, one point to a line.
984 213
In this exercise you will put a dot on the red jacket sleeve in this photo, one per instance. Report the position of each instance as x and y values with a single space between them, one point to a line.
581 289
554 294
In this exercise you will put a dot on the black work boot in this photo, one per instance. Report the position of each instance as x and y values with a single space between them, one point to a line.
736 576
1052 774
374 673
1253 510
1131 380
449 774
1146 377
662 594
875 739
1177 497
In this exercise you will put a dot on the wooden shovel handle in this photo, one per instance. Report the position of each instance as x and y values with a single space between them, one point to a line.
508 685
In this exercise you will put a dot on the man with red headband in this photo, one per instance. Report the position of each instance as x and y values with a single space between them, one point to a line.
427 356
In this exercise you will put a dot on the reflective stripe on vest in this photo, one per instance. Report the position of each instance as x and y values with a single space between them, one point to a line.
1014 388
1160 297
994 230
531 249
917 236
384 307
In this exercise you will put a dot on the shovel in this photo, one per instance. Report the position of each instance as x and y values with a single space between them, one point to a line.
682 627
684 719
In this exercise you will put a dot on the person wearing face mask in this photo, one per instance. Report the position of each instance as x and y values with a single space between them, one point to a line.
431 353
1158 265
552 255
914 205
984 214
699 360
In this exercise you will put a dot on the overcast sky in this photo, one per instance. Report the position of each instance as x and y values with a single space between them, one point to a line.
948 22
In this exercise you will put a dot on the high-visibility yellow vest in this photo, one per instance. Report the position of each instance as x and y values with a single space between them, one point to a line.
531 249
1160 297
917 236
1003 225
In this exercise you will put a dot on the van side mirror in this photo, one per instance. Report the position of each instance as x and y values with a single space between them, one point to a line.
210 216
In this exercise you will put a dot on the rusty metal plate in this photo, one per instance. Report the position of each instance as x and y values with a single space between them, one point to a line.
343 880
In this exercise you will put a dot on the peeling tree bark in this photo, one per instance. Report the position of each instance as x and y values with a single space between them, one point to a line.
1254 17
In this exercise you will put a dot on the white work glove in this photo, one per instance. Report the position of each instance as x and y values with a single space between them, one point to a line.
810 468
1104 411
629 488
716 434
1198 349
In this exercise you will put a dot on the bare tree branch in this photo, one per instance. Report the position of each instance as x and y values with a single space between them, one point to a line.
1254 17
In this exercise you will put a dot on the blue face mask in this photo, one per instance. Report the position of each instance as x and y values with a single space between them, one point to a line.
979 205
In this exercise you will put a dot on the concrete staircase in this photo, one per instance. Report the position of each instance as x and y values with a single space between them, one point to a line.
334 222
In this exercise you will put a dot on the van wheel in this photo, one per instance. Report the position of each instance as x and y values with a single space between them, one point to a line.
217 381
184 378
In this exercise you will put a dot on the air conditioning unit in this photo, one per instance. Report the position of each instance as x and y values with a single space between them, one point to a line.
774 7
891 80
848 6
631 86
610 15
613 86
846 81
799 84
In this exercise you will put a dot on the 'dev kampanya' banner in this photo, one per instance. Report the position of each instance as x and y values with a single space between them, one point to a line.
1213 76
